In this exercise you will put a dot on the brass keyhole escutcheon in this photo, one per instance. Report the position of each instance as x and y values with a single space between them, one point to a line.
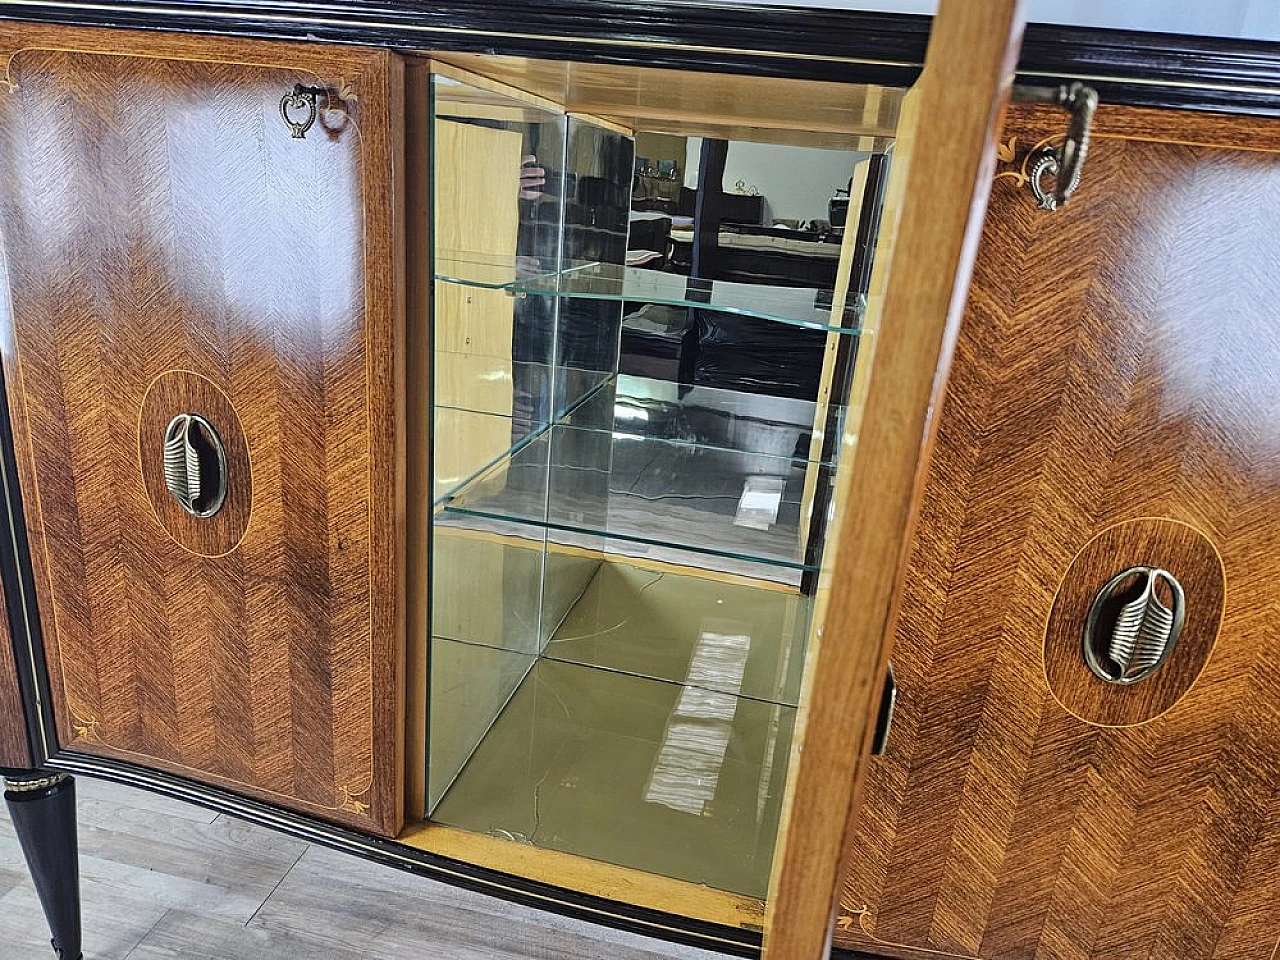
1134 624
195 465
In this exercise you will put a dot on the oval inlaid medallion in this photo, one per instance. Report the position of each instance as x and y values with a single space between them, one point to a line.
1161 545
171 397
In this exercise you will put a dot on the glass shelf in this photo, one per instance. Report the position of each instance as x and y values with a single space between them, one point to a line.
469 442
624 486
805 307
702 416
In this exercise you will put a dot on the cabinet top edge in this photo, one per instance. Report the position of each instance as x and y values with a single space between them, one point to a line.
1128 68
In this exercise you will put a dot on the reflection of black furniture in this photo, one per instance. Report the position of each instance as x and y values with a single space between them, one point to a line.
780 258
728 351
741 208
744 353
596 220
756 356
653 337
682 206
652 234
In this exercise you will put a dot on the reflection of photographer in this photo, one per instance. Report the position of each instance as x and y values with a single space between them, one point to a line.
532 178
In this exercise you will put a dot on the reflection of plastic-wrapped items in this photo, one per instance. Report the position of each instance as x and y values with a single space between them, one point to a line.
758 356
657 320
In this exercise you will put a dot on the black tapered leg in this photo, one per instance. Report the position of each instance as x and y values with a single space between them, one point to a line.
43 808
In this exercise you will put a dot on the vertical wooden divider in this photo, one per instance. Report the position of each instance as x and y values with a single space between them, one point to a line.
934 209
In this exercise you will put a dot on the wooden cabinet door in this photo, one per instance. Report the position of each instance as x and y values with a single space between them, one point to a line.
1114 400
171 247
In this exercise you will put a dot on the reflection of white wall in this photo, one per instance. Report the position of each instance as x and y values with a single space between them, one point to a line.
692 153
1252 19
796 182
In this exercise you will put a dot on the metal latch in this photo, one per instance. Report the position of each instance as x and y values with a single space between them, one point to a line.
884 717
195 465
1130 630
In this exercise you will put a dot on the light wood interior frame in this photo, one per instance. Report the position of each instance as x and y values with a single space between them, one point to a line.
810 113
958 102
591 877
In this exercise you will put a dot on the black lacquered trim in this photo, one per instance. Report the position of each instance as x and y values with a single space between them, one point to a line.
766 41
670 927
17 581
1157 69
1126 67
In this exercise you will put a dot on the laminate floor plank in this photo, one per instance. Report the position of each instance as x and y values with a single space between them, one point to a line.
114 921
391 914
11 876
194 936
224 868
164 880
90 794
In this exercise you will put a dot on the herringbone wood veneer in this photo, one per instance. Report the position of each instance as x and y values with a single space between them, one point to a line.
1119 359
158 216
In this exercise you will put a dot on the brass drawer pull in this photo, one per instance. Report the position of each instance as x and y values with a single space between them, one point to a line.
1130 631
195 465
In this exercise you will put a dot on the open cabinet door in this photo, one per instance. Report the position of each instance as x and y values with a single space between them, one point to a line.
935 202
1114 403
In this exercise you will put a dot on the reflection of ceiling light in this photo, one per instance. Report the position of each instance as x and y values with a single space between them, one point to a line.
687 770
626 436
720 661
623 412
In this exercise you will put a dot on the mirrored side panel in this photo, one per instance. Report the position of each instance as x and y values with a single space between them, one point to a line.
497 176
597 200
497 173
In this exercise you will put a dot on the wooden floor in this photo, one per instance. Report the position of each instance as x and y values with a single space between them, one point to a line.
162 879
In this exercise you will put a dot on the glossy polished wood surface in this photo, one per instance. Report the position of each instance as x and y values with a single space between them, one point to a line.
931 224
1119 359
159 218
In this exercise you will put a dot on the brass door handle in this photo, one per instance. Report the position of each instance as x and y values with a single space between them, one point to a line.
1130 631
195 465
299 108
